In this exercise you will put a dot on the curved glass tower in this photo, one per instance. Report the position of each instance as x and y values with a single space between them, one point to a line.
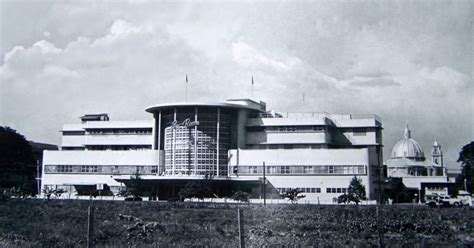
195 138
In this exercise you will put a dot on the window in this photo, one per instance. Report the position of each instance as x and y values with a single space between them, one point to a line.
140 169
285 169
360 133
89 168
335 190
64 168
287 147
72 133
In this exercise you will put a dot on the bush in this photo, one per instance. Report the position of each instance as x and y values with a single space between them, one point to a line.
4 196
293 195
240 196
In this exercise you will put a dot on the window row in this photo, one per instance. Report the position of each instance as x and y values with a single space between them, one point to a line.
117 131
190 162
304 190
102 169
191 150
287 146
301 169
336 190
73 133
359 133
292 129
198 172
118 147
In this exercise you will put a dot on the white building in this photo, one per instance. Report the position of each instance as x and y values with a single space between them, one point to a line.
318 153
417 173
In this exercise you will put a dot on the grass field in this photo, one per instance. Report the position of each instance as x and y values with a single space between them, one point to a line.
63 223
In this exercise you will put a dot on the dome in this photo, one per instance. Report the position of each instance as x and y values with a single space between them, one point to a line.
408 148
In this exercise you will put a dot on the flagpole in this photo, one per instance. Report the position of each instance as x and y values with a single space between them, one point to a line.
252 87
186 88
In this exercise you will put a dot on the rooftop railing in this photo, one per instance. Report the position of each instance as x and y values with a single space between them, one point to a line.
318 115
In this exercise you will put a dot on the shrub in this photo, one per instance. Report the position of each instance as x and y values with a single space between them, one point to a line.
240 196
293 195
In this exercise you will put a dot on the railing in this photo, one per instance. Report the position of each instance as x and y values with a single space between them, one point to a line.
318 115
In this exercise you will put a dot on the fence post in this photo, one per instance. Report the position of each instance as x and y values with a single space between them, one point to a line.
90 227
379 226
240 220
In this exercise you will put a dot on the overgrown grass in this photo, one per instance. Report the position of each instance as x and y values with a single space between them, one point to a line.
63 223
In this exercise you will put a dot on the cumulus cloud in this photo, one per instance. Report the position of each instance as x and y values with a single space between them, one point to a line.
373 82
346 57
46 47
248 56
58 71
12 53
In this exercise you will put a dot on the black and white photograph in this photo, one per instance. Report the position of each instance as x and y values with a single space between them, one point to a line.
246 123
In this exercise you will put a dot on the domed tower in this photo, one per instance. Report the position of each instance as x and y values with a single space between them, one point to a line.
437 155
408 148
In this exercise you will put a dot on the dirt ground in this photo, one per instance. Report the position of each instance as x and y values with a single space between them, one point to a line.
63 223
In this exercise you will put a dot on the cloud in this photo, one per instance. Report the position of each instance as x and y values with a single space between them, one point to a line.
12 53
405 61
58 71
115 72
367 81
46 47
248 56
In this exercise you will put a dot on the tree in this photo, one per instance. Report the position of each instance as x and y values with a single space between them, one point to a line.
398 192
17 163
347 198
197 189
466 158
355 192
240 196
293 195
135 187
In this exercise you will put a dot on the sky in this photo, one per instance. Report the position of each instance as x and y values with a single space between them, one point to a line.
409 62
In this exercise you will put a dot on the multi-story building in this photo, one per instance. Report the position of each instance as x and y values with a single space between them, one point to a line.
234 142
409 164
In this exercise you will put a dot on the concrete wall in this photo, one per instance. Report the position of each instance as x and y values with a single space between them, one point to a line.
354 122
310 157
119 124
368 139
145 157
118 139
73 140
322 182
317 121
139 158
287 138
300 157
415 182
107 139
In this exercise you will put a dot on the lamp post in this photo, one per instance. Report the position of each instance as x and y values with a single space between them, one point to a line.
419 196
264 186
38 177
